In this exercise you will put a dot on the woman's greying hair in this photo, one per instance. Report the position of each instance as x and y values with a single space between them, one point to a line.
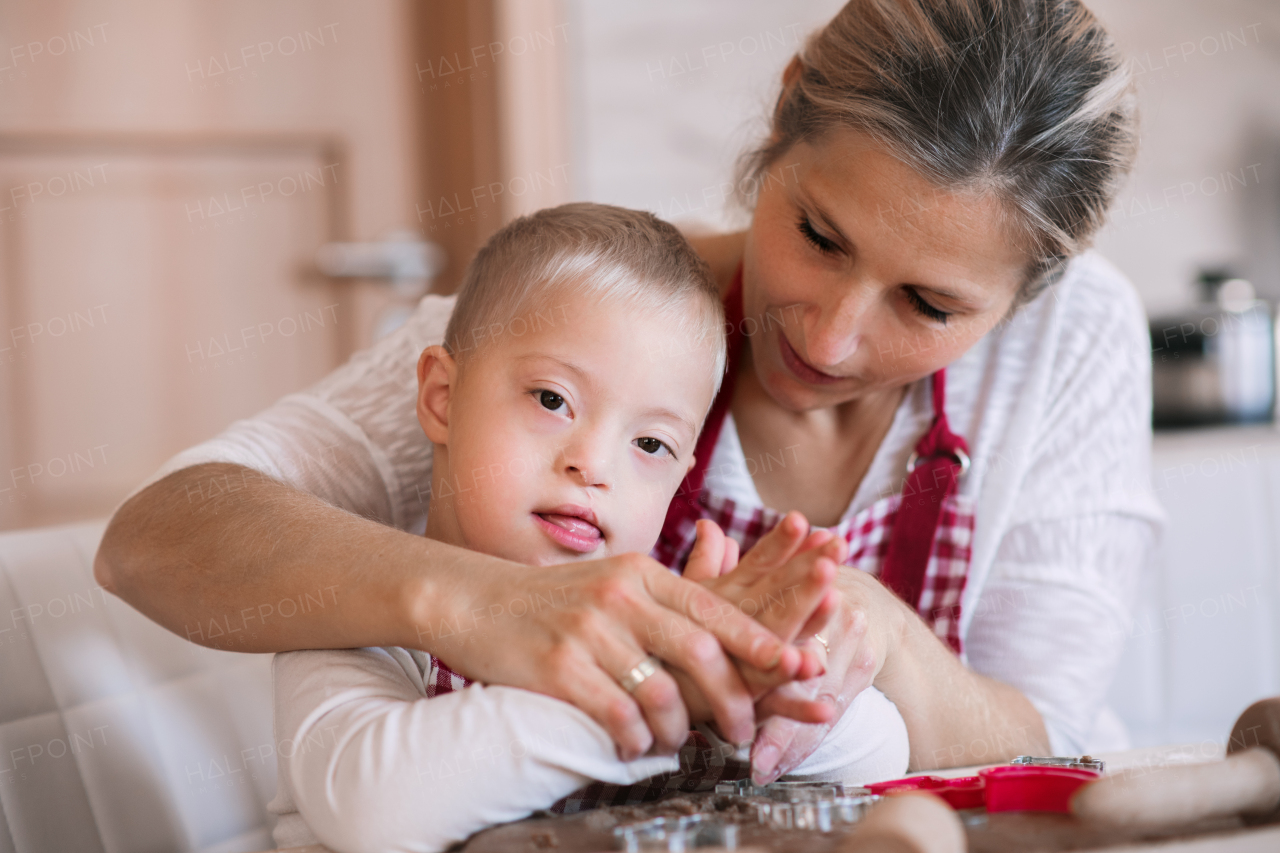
526 273
1025 99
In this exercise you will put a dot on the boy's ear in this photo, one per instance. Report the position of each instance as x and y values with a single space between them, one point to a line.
437 380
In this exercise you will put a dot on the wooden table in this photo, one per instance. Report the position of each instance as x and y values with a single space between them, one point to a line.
1255 840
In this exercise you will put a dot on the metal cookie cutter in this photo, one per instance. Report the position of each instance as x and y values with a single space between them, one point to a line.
677 834
818 814
786 791
814 806
1083 762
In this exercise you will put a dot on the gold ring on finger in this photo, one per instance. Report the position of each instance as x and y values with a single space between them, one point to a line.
640 673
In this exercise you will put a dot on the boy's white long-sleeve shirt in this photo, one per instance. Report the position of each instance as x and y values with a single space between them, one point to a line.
368 763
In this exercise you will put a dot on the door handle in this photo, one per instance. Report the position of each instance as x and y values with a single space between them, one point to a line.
402 260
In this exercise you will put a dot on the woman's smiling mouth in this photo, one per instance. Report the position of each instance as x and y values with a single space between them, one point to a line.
570 526
800 368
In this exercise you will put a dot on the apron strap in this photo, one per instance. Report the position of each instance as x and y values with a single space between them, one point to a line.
934 469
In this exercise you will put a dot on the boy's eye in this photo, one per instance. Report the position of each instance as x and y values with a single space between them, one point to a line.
653 446
550 400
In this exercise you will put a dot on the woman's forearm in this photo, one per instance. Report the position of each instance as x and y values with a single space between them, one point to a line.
955 716
231 559
228 558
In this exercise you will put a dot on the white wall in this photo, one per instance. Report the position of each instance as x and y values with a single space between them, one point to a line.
1207 186
666 94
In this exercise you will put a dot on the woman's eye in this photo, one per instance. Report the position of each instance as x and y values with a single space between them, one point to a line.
924 308
653 446
822 244
550 400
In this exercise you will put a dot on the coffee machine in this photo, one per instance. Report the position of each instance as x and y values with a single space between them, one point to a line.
1215 363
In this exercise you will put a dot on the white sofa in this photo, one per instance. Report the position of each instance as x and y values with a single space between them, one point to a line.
116 735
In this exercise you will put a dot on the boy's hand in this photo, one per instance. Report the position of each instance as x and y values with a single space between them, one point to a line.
786 583
713 555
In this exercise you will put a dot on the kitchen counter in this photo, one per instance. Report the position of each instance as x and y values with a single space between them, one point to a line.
1204 640
1264 437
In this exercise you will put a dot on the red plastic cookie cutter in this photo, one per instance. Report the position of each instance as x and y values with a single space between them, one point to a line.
1000 789
1039 789
964 792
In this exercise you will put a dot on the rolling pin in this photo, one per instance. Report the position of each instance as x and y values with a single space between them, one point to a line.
915 822
1246 782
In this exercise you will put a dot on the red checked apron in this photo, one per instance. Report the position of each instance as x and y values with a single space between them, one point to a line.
918 544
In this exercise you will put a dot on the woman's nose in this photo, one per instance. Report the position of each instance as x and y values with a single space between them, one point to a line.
833 329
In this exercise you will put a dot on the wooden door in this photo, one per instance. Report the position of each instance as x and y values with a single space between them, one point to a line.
167 172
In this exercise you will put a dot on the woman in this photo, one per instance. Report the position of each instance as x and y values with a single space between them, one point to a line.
912 280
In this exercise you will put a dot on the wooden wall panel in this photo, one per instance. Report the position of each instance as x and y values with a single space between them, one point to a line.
146 310
493 116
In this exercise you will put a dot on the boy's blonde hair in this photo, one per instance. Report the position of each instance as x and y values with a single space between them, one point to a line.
586 251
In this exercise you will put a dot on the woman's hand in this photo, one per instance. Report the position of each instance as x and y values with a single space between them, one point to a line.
572 631
861 635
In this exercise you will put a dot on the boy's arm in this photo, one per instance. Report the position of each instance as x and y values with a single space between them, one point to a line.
375 765
868 743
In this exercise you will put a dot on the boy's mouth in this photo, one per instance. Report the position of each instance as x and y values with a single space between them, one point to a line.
571 526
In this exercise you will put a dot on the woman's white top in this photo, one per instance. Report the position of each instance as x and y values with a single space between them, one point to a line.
1055 405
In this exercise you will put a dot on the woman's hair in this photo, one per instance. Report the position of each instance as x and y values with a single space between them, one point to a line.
1026 99
522 277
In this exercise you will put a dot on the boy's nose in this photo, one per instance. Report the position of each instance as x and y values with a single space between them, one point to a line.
587 461
588 474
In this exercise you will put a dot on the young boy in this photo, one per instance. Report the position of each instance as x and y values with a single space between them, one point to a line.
583 353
